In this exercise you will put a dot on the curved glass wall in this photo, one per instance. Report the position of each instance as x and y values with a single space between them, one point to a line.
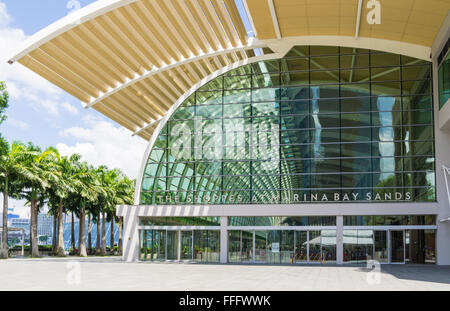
322 124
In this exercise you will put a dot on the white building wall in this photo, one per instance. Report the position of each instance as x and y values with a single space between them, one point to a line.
442 137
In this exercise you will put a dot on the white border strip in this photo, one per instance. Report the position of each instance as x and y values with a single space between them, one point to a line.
396 47
358 19
273 13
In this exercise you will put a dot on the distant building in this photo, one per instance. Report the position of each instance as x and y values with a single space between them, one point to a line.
21 223
45 225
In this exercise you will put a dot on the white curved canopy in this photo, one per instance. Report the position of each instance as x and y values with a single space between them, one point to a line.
133 59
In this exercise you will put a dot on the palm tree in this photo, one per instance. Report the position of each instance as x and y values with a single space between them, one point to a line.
12 167
86 191
34 186
104 179
62 176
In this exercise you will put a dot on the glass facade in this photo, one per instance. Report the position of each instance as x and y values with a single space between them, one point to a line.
390 246
444 81
323 124
407 220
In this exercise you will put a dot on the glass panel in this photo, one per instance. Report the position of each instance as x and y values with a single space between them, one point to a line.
213 246
329 241
381 247
247 246
172 245
444 81
350 246
301 246
159 245
186 245
273 246
146 245
287 247
420 246
234 246
315 248
365 246
397 247
261 246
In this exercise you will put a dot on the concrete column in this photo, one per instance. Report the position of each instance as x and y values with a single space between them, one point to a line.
130 235
223 239
340 240
442 138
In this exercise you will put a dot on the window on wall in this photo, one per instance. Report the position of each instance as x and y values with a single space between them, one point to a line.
323 124
444 81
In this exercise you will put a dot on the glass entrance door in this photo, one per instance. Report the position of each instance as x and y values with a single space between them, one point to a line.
315 246
260 246
172 245
397 247
186 245
301 247
381 247
159 245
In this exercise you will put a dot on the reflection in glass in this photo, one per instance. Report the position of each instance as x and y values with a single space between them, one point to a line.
328 120
172 245
287 247
315 249
247 246
420 246
186 245
273 246
329 246
260 246
301 246
397 247
381 246
206 245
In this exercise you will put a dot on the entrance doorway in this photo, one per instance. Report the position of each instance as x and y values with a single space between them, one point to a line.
186 245
166 245
397 247
381 253
282 246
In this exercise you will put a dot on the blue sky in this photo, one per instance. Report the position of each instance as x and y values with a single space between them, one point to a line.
44 114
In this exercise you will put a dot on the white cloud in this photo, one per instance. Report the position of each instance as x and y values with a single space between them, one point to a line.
18 207
18 124
5 18
69 107
22 83
102 143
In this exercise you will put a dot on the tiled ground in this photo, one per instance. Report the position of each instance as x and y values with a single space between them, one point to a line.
113 274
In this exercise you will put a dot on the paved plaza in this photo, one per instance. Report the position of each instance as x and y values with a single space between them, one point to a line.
113 274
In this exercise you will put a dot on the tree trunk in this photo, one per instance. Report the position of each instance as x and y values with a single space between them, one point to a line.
60 245
89 234
33 228
103 250
120 237
72 233
4 248
111 249
97 243
82 238
54 234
